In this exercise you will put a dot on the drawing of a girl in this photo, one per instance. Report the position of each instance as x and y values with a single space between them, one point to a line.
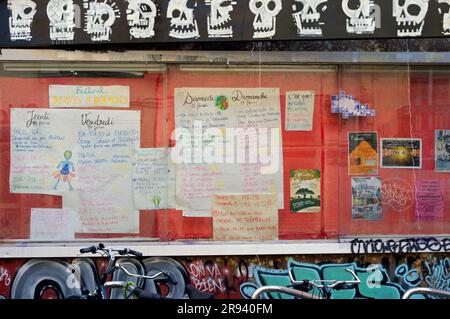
65 171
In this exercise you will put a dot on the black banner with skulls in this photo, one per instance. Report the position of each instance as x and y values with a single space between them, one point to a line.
40 23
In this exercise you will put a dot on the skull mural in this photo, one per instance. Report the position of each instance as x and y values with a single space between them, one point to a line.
444 10
359 16
219 18
307 16
141 16
61 14
265 21
20 19
100 16
410 16
182 20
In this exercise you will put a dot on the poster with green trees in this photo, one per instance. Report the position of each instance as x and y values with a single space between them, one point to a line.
305 191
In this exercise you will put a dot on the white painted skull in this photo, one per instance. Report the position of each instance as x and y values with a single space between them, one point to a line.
141 16
61 14
100 16
445 16
182 20
359 16
265 21
307 16
20 19
219 18
410 16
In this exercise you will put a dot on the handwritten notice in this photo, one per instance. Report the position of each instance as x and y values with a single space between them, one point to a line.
52 224
248 122
245 217
69 96
299 110
85 156
430 200
151 178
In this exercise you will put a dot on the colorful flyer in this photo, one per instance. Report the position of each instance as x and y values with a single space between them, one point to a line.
362 153
366 198
401 153
429 200
442 151
305 191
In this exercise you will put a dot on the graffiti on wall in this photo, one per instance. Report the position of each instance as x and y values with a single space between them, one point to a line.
407 245
382 276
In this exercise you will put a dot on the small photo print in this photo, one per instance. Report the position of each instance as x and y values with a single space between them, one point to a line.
305 191
366 198
442 151
362 153
401 153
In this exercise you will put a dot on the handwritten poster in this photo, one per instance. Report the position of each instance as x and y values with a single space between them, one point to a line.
366 198
362 153
151 178
299 110
85 156
246 157
305 190
53 224
430 200
69 96
245 217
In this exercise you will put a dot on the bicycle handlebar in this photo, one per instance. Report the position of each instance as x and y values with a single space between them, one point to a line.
161 273
326 283
101 247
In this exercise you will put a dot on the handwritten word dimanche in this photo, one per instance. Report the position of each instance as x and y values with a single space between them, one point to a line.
406 245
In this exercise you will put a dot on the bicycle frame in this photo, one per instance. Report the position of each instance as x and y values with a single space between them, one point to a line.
425 291
326 286
291 291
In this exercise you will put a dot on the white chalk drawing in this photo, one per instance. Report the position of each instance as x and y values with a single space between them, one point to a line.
20 19
265 21
445 17
307 16
182 19
141 15
61 14
360 18
219 18
100 16
410 16
397 193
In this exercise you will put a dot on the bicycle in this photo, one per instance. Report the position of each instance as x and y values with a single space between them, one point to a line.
131 289
135 289
302 288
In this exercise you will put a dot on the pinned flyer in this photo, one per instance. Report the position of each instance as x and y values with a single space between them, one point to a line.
69 96
53 224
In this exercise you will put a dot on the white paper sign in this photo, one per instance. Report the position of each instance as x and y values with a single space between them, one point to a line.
53 224
299 110
69 96
250 110
151 178
85 156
